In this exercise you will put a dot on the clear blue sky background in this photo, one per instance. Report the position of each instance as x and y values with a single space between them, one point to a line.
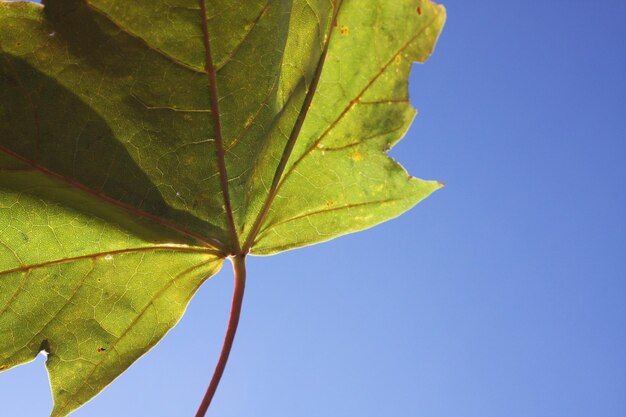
504 294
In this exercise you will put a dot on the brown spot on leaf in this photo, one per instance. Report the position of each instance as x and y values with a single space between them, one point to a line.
344 30
419 11
101 349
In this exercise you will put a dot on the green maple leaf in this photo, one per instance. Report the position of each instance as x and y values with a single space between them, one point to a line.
143 142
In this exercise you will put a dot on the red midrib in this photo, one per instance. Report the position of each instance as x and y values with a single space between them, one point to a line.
217 127
134 210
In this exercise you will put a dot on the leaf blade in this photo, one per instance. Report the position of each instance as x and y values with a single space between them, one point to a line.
119 146
57 293
320 155
66 53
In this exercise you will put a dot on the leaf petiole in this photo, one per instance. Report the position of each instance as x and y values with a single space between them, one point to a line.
239 267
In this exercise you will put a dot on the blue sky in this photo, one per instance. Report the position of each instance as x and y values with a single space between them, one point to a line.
501 295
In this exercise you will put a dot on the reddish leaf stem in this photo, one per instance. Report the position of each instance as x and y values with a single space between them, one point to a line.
239 266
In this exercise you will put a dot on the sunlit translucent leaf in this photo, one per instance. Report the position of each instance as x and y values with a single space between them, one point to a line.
141 142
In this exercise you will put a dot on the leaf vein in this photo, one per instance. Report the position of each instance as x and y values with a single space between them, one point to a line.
169 248
323 211
236 49
205 241
355 101
142 40
293 136
217 127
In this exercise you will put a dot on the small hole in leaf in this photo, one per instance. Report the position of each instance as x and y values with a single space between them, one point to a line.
44 348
